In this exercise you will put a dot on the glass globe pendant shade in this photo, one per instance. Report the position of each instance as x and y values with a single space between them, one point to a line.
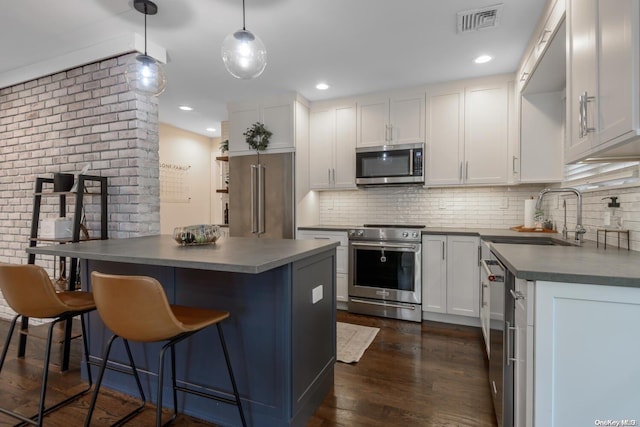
146 76
244 55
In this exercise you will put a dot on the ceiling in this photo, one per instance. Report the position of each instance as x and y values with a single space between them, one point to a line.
356 46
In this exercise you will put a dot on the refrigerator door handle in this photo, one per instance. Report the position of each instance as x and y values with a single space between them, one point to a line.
252 199
261 199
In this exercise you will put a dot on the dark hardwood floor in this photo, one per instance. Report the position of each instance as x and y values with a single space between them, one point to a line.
427 374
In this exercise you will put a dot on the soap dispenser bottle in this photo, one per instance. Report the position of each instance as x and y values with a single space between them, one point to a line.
612 218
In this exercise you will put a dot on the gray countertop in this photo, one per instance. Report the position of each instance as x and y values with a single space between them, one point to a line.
585 264
482 232
233 254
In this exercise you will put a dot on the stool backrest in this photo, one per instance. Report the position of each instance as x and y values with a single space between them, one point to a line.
134 307
29 291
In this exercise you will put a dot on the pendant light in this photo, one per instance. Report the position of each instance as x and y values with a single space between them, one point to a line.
145 75
243 53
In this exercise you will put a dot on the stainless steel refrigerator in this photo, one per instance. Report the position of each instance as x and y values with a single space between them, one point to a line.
261 196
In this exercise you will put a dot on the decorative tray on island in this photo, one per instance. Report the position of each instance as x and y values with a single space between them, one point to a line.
201 234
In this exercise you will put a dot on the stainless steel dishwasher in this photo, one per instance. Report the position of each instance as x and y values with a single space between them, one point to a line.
501 347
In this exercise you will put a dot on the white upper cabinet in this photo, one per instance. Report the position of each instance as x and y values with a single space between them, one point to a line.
445 141
396 118
541 40
542 103
332 142
468 124
603 93
486 134
278 115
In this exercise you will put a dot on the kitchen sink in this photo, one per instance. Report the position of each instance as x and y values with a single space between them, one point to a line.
546 241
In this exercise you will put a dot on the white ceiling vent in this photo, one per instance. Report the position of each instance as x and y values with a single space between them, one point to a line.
479 19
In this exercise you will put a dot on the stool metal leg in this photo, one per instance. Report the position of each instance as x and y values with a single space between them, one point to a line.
8 341
233 381
169 345
37 419
103 367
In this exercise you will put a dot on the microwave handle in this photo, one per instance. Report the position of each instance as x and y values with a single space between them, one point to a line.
411 161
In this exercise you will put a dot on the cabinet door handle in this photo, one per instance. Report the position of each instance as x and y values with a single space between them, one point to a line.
507 342
587 100
513 165
580 116
386 133
460 171
329 175
583 117
517 295
443 251
542 39
466 171
333 172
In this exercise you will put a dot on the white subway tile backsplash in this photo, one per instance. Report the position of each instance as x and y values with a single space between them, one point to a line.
474 207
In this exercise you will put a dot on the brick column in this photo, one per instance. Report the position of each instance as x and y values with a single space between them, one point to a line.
62 122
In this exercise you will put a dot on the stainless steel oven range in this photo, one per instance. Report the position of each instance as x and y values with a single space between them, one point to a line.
385 277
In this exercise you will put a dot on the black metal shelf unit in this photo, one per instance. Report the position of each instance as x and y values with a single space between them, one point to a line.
44 189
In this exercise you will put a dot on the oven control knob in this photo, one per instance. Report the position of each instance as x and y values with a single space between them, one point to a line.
360 233
405 234
352 233
414 234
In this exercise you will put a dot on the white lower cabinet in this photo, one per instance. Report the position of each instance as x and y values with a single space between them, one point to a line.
575 354
342 257
450 274
586 347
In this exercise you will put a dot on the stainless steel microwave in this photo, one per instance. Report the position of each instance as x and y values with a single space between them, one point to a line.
390 165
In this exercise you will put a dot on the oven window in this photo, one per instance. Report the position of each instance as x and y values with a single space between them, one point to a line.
385 269
385 164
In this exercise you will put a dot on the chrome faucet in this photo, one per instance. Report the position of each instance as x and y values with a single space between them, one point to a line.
580 230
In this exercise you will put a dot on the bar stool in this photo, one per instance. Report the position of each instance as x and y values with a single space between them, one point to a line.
30 293
135 308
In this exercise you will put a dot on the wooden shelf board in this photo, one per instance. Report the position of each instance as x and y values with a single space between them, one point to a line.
222 190
223 158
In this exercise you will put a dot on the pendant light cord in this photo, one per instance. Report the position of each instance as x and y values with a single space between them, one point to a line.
145 29
244 28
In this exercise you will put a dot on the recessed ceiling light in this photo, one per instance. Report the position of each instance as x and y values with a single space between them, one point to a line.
211 129
185 108
482 59
322 86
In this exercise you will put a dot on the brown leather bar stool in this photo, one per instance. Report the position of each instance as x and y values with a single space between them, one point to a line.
135 308
30 293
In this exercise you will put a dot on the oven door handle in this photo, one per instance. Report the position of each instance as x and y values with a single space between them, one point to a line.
385 304
385 245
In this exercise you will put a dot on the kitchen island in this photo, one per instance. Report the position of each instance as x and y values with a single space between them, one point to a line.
280 336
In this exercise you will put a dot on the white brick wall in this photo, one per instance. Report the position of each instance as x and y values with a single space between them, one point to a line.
478 207
62 122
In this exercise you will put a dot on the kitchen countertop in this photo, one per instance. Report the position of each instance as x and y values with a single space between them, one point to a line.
484 233
231 254
584 264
